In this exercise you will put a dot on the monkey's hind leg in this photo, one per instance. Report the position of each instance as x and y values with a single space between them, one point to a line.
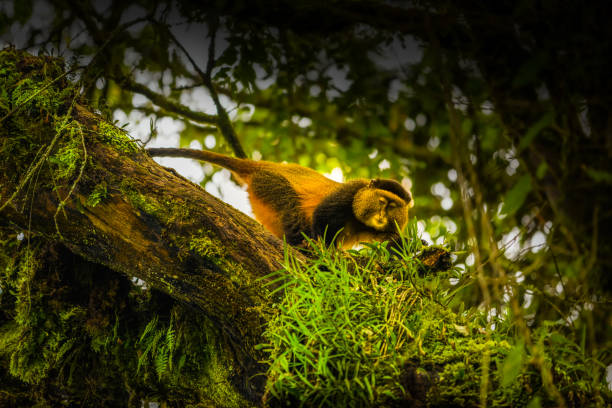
279 198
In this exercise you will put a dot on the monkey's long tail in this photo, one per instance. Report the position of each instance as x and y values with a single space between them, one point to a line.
239 166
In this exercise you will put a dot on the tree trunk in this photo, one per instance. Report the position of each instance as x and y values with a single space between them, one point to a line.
126 212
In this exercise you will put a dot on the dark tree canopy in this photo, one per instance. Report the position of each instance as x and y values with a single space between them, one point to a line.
497 115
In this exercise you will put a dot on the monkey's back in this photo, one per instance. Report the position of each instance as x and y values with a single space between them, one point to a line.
289 186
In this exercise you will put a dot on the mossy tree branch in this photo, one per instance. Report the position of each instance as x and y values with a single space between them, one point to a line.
130 214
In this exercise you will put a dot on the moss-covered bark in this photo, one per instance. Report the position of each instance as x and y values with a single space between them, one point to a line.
71 177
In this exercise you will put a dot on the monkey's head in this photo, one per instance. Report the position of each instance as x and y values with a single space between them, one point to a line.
382 204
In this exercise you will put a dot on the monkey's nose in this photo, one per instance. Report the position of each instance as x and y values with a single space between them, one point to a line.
381 222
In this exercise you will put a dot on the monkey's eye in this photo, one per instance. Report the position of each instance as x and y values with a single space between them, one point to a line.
392 205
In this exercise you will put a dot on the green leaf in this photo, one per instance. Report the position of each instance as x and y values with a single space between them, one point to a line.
512 365
535 130
534 403
516 196
229 57
599 176
541 171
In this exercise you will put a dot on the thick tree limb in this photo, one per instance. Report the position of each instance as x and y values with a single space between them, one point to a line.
136 217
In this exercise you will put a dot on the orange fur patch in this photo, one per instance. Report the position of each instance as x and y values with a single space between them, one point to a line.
266 216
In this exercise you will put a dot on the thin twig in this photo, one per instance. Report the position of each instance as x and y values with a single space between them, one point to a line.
74 184
223 121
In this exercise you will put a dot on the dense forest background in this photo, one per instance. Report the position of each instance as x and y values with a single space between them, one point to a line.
496 115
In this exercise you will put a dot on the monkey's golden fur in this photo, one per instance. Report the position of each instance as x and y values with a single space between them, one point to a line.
289 199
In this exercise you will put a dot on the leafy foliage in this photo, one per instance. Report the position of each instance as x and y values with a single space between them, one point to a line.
364 329
69 325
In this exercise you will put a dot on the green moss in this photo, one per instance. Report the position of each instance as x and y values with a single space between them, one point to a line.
142 202
70 153
97 195
80 328
214 250
77 333
116 137
206 246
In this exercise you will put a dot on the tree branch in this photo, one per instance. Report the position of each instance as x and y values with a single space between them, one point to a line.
223 121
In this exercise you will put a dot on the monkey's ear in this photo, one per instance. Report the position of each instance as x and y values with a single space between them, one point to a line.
410 203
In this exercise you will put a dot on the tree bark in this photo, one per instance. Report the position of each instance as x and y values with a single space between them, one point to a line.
149 223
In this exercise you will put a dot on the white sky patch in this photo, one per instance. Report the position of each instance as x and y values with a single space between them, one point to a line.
548 227
527 298
452 175
487 107
443 193
304 122
469 260
421 119
543 94
401 51
263 80
373 154
450 225
407 183
315 90
131 58
538 241
246 112
139 100
199 100
433 142
336 174
510 242
394 89
189 168
410 124
195 144
339 77
210 141
384 165
459 100
446 203
231 193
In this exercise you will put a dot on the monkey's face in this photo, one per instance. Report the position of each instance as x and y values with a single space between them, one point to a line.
380 209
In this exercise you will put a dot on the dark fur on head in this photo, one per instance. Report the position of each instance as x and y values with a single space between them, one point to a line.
393 187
